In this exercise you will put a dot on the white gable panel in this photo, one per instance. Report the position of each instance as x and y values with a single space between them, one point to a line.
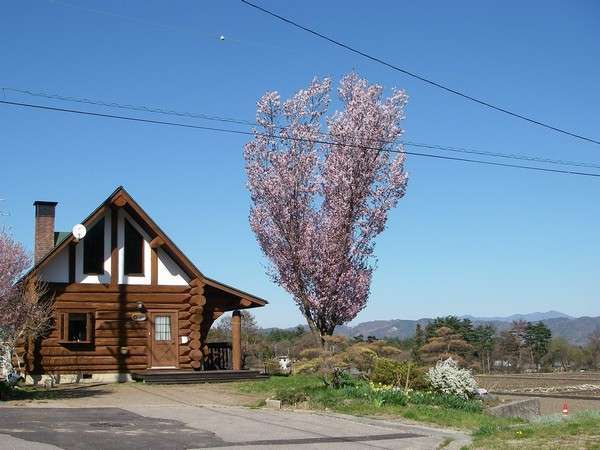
145 278
104 278
57 269
169 273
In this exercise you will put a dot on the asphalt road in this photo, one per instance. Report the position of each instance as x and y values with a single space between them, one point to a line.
137 416
186 427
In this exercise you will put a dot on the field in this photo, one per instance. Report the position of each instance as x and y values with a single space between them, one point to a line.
581 391
579 430
569 384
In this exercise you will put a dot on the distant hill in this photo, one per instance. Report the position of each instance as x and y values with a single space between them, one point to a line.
396 328
575 330
531 317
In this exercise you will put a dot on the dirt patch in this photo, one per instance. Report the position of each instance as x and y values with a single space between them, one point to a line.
122 395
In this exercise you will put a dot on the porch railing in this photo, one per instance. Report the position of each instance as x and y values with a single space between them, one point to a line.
219 356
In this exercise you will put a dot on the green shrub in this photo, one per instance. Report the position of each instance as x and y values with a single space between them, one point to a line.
291 396
306 367
335 344
447 377
361 357
310 353
272 367
338 378
359 392
388 351
398 396
445 401
393 373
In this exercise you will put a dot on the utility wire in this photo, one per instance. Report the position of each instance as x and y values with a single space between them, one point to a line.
216 118
284 138
420 77
151 109
522 157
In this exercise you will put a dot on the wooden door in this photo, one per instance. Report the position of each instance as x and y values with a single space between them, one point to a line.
164 352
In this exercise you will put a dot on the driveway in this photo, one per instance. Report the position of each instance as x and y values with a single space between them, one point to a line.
186 417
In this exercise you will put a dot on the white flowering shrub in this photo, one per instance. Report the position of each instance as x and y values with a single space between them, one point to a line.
448 378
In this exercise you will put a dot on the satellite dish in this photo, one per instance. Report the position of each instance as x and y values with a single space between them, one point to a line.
79 231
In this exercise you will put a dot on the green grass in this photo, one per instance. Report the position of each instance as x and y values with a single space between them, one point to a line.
26 393
579 431
441 410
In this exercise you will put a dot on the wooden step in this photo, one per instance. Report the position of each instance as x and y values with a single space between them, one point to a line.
158 376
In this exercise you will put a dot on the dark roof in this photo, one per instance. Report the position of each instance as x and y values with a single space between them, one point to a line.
60 236
43 203
192 271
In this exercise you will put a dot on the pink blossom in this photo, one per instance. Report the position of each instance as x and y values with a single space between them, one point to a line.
320 198
25 307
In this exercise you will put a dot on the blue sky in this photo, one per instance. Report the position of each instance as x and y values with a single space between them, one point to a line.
466 239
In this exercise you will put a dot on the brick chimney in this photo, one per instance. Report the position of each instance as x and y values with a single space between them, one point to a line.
44 229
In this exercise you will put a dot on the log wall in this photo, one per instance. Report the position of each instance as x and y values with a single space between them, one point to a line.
115 331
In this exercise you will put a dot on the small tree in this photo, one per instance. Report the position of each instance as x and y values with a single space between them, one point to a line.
320 198
518 330
446 344
561 352
483 343
25 308
464 327
507 350
537 338
418 343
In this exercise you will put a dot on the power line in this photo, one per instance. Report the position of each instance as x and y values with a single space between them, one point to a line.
152 109
420 77
503 155
237 121
250 133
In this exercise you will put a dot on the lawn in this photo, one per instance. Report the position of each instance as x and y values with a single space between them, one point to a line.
579 431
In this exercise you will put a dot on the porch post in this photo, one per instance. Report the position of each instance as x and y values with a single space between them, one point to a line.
236 341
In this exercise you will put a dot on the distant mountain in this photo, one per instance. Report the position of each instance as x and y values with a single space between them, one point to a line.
396 328
574 329
531 317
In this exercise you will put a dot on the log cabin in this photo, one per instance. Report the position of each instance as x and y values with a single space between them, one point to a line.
128 303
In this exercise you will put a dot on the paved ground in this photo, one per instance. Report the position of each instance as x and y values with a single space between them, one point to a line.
184 417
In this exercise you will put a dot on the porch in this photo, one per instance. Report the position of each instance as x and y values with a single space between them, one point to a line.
222 362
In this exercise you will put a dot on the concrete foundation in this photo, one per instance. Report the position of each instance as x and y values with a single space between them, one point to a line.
524 409
51 380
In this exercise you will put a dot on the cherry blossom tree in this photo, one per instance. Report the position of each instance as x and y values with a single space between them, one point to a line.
321 188
25 309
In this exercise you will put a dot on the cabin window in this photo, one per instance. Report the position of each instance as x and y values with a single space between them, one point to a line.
76 327
162 328
134 251
93 250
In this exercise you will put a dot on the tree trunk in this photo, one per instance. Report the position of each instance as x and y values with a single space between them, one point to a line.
315 330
